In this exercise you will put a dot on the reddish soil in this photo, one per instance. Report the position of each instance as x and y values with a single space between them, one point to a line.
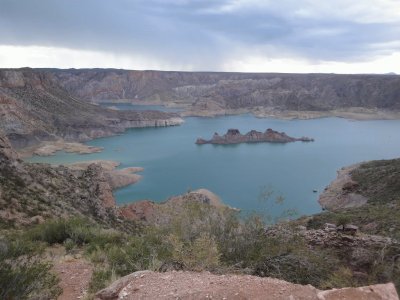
75 275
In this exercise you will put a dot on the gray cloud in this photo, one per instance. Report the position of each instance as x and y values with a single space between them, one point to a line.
197 32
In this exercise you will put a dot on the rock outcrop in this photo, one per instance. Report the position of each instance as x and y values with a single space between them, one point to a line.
162 213
204 285
233 136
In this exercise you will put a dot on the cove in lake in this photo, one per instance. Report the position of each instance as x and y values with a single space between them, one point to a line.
173 163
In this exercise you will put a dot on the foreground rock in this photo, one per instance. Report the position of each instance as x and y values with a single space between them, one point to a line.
204 285
233 136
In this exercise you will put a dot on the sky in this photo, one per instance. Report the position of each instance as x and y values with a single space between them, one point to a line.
302 36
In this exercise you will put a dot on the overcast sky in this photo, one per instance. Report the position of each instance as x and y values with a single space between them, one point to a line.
341 36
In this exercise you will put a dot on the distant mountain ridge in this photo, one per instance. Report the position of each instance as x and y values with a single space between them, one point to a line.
235 90
45 104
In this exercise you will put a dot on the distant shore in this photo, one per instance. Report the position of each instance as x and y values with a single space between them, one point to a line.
351 113
357 114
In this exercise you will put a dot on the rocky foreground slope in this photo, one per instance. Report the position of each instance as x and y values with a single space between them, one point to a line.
190 285
34 107
31 193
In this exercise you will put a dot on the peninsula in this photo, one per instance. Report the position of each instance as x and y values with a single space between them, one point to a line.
233 136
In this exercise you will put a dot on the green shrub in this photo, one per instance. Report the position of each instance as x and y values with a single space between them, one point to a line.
76 230
69 245
341 278
51 232
22 273
100 279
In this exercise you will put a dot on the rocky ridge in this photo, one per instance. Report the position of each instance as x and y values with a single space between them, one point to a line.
233 136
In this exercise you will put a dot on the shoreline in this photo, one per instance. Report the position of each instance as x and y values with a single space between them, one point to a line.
354 114
351 113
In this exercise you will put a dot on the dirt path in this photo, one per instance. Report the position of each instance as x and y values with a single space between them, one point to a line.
75 275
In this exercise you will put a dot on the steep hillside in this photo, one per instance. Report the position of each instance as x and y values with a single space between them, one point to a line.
34 107
31 193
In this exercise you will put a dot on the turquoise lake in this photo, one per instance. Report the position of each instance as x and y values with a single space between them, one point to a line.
174 164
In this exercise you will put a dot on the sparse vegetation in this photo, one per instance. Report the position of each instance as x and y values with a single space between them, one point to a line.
198 236
23 273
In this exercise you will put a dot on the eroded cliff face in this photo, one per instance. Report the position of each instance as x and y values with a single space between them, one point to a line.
206 90
34 106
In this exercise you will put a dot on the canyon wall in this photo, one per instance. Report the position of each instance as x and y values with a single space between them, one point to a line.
34 107
319 92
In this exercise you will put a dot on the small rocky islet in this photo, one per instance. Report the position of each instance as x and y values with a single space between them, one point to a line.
233 136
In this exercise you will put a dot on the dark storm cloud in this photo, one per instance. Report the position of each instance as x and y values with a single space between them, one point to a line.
196 32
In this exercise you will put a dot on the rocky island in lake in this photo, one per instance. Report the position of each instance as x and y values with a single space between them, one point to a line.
233 136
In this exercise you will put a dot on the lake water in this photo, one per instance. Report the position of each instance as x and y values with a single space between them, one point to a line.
174 164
